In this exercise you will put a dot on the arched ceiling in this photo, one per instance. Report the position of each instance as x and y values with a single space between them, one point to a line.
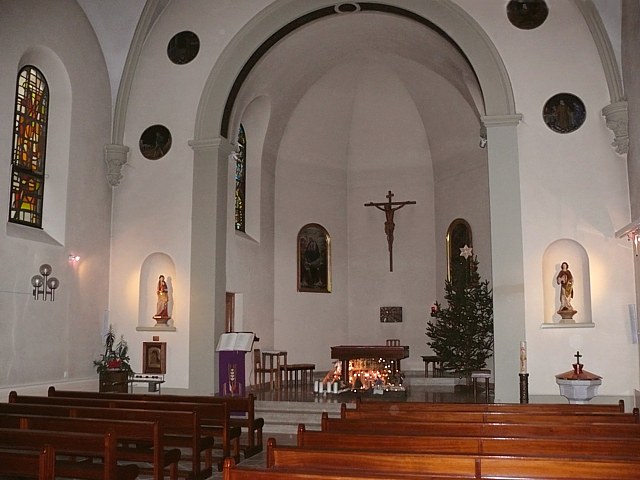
439 79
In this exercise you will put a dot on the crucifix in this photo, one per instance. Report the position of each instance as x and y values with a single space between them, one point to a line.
389 209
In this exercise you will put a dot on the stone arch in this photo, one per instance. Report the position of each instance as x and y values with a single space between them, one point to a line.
500 119
286 14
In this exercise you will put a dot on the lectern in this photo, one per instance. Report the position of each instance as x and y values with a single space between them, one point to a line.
231 349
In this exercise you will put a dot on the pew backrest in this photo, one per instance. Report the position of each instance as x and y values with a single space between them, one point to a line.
622 448
385 406
490 417
598 430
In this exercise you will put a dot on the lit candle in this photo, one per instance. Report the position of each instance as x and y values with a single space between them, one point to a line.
523 357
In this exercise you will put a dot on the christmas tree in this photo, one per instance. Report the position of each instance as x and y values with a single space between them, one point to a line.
461 334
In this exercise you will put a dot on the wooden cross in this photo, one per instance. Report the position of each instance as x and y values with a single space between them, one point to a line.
578 356
389 209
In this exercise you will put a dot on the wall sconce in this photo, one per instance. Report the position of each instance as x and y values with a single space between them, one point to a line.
74 258
632 232
43 285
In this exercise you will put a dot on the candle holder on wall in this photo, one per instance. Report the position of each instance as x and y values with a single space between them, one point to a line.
43 285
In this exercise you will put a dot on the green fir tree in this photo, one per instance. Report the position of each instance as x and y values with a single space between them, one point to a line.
461 333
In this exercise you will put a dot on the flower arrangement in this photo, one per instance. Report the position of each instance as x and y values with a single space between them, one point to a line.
115 356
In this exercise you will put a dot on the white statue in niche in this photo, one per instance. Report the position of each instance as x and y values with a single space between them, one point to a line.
565 280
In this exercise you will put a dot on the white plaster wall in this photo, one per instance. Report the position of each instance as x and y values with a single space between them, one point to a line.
49 342
357 134
152 205
573 186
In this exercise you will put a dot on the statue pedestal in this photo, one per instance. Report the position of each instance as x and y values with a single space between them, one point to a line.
161 320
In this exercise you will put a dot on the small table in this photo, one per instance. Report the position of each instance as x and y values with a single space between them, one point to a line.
435 368
153 381
275 370
475 376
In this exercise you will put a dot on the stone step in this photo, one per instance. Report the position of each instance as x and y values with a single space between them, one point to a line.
284 417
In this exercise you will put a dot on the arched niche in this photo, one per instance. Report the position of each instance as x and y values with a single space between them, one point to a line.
153 266
571 252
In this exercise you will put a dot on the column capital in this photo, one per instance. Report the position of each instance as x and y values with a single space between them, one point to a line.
501 120
115 156
220 144
617 117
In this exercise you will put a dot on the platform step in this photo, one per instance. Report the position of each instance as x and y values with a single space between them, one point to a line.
284 417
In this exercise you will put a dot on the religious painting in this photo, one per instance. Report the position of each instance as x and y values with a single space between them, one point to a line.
458 236
564 113
183 47
154 357
527 14
314 259
390 314
155 142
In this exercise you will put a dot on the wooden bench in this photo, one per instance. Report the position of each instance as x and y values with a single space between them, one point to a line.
147 437
243 472
455 465
40 463
522 416
619 448
68 445
241 409
576 430
181 428
215 417
385 406
299 372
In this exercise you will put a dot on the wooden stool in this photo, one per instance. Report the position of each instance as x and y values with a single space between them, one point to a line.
481 374
436 367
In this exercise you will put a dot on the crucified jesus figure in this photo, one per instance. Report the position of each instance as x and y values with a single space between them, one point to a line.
389 209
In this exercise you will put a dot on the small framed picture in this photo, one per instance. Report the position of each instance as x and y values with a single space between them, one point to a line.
154 355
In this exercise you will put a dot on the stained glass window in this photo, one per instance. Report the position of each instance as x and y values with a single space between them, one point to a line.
29 147
241 179
458 237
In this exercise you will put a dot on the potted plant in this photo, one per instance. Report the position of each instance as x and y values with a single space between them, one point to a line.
116 355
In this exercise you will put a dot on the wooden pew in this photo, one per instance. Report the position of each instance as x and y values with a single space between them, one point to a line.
147 436
71 444
242 409
523 416
619 448
288 457
215 417
585 430
482 466
243 472
31 463
489 417
181 428
385 407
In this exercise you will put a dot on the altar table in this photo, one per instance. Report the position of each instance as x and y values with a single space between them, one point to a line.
344 353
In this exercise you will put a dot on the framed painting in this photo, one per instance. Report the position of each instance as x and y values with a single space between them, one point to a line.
154 355
314 259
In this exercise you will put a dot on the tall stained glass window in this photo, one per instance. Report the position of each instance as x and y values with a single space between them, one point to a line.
29 148
241 179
